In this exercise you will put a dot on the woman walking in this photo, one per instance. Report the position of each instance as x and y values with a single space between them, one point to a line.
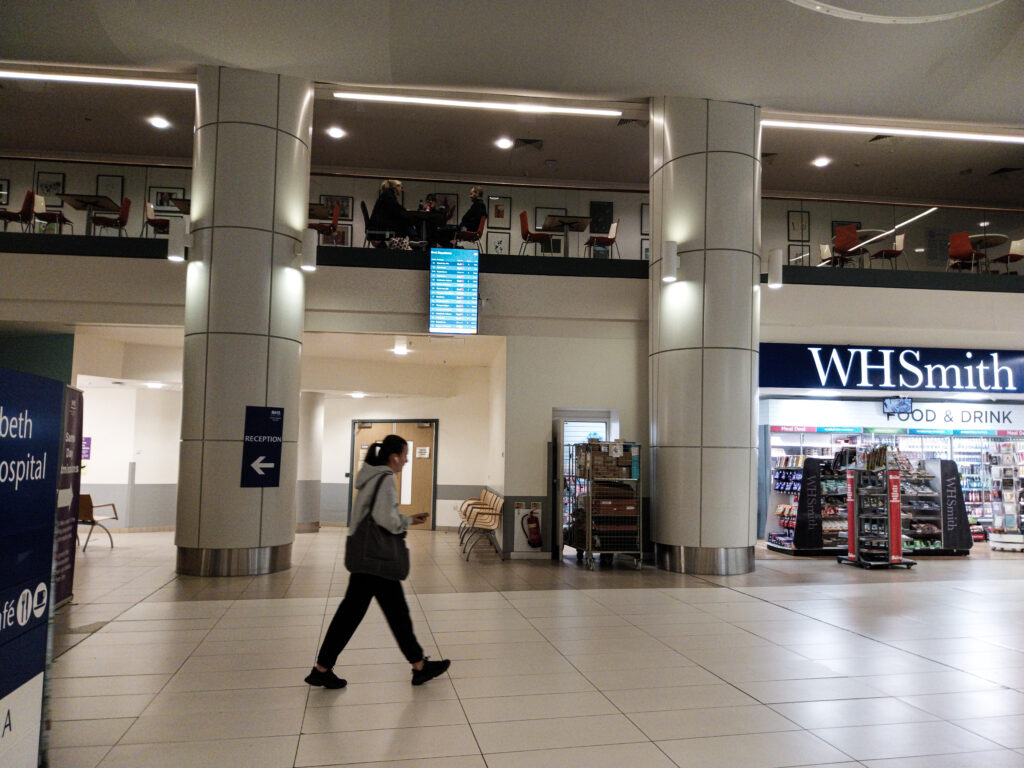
376 573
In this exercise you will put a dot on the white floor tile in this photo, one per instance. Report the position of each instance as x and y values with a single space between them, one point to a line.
762 750
778 691
368 746
485 687
1003 758
1005 731
639 755
88 733
679 697
825 714
522 735
962 706
504 708
876 742
272 752
76 757
406 714
207 726
718 721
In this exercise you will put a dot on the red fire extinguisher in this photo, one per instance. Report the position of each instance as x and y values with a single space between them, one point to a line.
530 524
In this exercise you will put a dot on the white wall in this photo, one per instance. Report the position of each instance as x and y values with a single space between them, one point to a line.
109 419
497 403
157 433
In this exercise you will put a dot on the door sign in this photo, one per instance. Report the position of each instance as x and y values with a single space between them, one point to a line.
261 447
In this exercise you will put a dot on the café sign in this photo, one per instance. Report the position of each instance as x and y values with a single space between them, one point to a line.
905 369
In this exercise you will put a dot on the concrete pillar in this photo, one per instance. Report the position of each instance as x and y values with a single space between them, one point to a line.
244 310
705 198
311 452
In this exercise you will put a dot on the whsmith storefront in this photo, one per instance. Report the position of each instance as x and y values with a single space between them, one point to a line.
965 404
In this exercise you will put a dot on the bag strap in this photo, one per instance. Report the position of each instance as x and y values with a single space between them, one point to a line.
373 499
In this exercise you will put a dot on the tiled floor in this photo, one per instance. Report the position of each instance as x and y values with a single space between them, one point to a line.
803 662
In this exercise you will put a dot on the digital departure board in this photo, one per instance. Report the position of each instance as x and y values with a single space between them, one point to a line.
454 289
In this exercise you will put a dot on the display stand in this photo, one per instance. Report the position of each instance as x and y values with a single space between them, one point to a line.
873 508
605 515
1005 490
933 510
809 503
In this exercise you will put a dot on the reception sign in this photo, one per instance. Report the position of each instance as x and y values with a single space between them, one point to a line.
31 410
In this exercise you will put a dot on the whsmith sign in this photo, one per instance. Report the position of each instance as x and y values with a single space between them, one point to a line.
901 369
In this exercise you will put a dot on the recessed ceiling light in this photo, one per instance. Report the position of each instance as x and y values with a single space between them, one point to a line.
536 109
158 122
335 132
504 143
357 395
154 384
919 250
984 223
821 162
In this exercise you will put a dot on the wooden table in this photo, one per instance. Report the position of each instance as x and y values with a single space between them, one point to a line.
182 204
864 236
985 240
90 204
420 219
564 224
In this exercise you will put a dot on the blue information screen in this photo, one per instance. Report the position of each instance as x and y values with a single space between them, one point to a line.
454 289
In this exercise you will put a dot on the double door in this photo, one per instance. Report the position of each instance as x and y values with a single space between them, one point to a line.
416 481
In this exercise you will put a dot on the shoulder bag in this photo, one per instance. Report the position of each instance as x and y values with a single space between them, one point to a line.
375 550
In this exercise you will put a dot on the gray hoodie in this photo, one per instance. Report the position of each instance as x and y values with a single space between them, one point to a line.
385 508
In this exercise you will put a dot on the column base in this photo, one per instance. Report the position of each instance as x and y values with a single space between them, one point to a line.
251 561
718 561
668 557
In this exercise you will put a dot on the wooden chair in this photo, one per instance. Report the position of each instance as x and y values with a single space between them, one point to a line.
962 254
1015 254
118 222
891 254
87 516
466 236
56 218
150 222
24 215
607 241
482 522
531 237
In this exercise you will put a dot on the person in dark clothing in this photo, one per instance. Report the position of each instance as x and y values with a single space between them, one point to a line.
387 215
378 498
470 220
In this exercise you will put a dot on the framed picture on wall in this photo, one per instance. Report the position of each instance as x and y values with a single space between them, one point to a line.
645 249
798 226
344 205
5 191
450 202
341 236
110 186
498 242
645 218
161 198
799 254
49 185
541 212
499 213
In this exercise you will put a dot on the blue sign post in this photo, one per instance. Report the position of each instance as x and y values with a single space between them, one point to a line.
261 447
31 410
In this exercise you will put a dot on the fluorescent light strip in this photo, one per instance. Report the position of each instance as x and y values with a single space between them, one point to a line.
901 224
96 80
893 131
539 109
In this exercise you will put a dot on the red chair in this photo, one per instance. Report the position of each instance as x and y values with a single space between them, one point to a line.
151 222
115 222
607 241
57 218
846 244
531 237
327 228
1015 254
466 236
23 216
962 254
891 254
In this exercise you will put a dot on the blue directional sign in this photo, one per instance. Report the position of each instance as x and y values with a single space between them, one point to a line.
261 447
31 410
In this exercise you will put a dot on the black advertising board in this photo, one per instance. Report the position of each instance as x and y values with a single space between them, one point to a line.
956 532
68 488
261 447
31 411
807 534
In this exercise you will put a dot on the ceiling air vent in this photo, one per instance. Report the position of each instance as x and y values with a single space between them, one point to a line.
879 137
631 121
1004 169
535 143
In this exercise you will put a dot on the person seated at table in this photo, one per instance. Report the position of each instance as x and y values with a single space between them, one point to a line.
470 221
387 216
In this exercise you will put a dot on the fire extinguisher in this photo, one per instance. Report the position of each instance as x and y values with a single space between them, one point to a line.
530 524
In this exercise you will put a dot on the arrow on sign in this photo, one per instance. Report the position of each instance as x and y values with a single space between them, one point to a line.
259 465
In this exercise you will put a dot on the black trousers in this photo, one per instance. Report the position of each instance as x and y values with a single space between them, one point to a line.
362 587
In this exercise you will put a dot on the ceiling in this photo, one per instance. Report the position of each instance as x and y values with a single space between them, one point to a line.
776 53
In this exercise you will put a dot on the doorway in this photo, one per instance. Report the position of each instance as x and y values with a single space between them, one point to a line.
417 486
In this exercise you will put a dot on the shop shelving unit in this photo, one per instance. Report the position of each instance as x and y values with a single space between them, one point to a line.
604 506
932 506
808 504
1005 466
874 511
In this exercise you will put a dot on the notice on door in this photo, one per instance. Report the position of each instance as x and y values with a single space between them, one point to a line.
261 447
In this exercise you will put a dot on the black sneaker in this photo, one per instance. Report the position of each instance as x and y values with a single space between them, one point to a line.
326 679
431 669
